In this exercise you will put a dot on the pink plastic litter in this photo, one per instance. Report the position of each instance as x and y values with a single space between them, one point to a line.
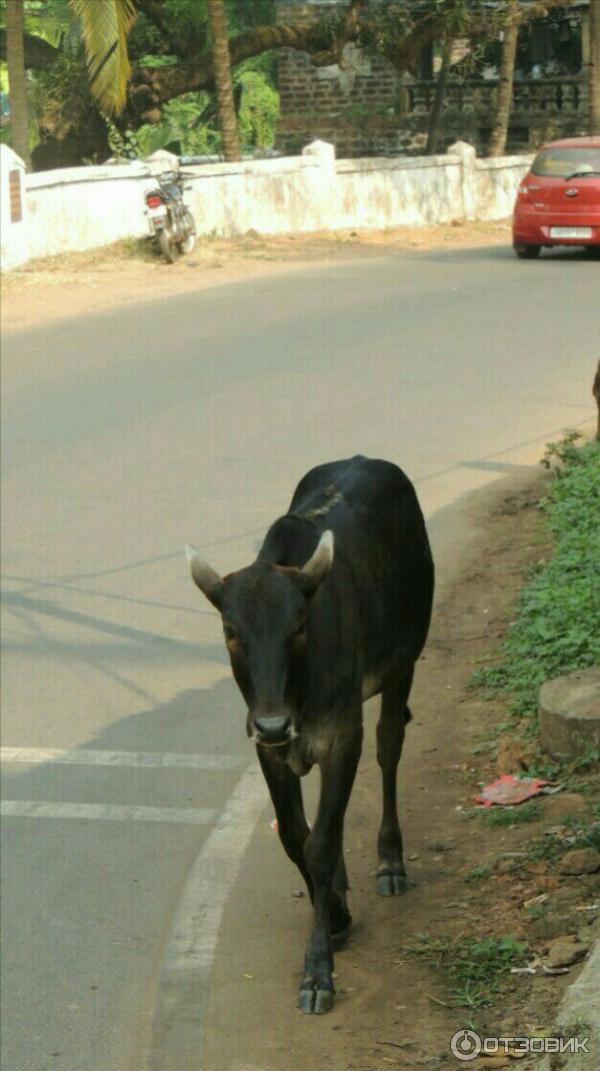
508 790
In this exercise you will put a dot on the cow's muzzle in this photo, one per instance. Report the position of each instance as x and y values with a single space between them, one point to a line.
273 730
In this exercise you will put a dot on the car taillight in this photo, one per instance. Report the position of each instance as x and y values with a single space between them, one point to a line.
153 200
523 190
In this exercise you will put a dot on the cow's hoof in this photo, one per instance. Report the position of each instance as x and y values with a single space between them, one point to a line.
391 881
313 1000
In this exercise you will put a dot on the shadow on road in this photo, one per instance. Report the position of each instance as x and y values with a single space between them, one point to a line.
501 253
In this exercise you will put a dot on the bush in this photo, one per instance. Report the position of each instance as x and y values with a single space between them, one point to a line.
558 617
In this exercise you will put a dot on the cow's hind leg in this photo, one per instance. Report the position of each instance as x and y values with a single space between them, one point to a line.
391 875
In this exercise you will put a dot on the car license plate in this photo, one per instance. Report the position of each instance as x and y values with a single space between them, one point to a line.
570 232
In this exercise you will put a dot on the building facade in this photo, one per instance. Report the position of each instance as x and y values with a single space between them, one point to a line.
365 108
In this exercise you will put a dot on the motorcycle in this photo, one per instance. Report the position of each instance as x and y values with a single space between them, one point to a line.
170 219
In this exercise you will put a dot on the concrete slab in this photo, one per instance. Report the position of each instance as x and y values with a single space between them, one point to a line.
569 714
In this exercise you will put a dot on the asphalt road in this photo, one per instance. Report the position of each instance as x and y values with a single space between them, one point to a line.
126 435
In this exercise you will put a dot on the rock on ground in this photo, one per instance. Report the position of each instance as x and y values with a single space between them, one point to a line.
570 714
580 861
564 951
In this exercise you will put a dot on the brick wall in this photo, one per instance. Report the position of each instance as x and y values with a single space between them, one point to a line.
353 106
365 109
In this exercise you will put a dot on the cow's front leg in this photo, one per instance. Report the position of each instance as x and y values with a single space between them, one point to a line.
340 919
322 851
286 793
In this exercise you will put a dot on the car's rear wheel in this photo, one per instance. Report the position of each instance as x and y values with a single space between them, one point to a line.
593 251
525 251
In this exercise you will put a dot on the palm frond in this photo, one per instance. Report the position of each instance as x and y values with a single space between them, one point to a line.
105 25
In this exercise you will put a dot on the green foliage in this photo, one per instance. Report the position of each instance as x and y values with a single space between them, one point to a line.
558 624
62 94
104 31
501 817
259 110
475 968
188 24
478 873
550 847
188 126
243 16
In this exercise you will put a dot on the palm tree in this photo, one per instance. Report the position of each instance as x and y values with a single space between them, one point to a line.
594 23
222 70
17 78
505 89
104 28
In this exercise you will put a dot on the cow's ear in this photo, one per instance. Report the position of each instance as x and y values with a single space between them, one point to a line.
316 568
209 582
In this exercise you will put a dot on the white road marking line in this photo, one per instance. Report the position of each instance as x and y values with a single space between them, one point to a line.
196 925
178 1021
151 759
197 816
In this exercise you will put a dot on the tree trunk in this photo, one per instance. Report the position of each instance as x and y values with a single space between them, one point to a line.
17 79
594 68
505 89
222 69
438 100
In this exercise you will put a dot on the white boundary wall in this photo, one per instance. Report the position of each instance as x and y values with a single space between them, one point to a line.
86 207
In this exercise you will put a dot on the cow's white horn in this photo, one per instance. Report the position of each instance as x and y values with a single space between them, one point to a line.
209 582
317 567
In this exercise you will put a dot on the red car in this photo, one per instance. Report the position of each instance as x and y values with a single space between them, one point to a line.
558 201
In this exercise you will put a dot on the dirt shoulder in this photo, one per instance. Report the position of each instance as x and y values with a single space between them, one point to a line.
133 271
481 894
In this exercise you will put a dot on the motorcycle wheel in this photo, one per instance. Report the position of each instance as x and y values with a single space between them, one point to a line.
188 243
167 246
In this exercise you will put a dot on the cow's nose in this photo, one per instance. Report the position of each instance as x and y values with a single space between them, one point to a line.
273 730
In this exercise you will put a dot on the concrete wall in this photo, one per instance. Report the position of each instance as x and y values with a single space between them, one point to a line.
495 185
398 192
13 232
85 207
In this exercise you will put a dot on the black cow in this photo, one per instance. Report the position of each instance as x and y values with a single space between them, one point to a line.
312 634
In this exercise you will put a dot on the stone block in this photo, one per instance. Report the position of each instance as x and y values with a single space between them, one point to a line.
580 861
569 714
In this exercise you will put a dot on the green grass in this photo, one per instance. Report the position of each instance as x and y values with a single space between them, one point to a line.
558 616
478 873
474 969
550 847
501 817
